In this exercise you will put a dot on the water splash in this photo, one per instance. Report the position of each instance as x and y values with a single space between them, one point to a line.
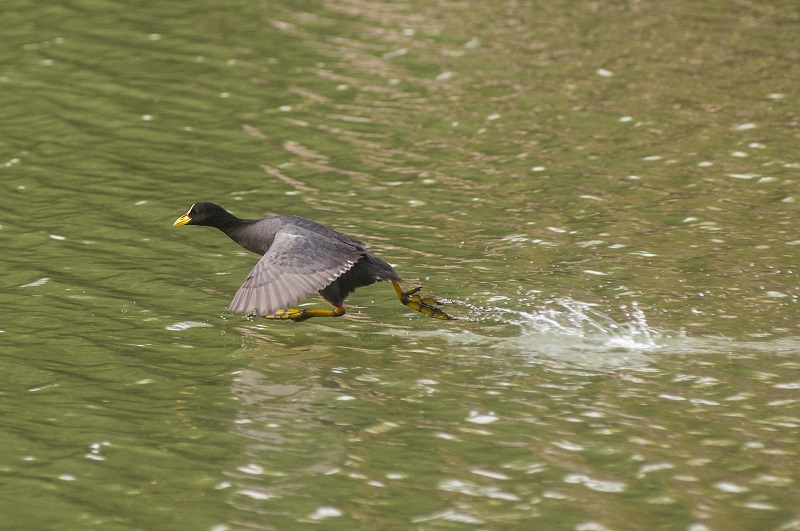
571 318
575 332
563 332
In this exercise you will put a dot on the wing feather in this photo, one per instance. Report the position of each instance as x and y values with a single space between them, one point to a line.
298 263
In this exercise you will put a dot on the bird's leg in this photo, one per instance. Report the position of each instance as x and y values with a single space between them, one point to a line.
301 315
426 305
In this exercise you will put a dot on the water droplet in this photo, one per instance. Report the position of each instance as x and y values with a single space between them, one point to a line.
325 511
252 469
477 418
35 283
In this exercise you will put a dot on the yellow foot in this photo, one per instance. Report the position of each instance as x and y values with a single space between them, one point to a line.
425 305
301 315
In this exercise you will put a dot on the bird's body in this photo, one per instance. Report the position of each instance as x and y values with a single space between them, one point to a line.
303 254
300 256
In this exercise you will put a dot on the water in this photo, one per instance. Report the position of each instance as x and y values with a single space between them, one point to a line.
605 195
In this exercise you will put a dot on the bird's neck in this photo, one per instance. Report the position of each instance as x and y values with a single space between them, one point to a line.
228 223
236 229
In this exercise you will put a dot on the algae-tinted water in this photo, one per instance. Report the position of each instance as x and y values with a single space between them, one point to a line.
606 193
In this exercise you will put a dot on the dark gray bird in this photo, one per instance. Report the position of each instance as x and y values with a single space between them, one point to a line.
299 257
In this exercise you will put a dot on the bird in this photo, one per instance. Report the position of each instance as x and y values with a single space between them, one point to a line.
298 257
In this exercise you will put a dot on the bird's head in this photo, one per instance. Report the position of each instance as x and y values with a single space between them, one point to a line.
203 214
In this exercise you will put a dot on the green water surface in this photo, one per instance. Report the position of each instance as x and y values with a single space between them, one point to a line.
605 192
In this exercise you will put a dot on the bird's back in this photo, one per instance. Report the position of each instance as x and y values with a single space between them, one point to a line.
257 235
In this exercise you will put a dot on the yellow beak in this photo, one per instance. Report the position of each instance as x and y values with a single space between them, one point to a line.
183 220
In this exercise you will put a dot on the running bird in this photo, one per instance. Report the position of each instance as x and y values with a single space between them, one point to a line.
299 257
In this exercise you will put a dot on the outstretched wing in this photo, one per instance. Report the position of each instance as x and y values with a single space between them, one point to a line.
298 263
